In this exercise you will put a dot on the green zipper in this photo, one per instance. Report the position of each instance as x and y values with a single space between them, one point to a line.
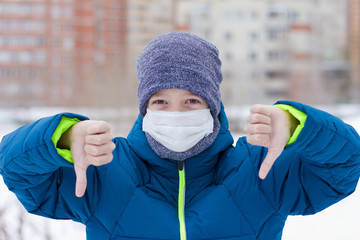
181 200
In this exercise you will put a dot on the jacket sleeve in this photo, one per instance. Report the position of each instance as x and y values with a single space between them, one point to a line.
43 180
317 170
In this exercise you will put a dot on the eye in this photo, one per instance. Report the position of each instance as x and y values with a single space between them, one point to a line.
159 101
193 101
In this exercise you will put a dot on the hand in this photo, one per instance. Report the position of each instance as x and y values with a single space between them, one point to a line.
91 144
270 127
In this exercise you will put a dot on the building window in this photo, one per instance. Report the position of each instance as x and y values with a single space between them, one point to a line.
68 59
239 15
56 59
56 43
56 12
253 36
68 43
99 42
228 36
24 57
40 57
56 27
55 76
22 41
5 25
22 9
99 58
253 56
227 16
254 76
293 16
68 27
276 93
276 74
254 15
276 55
276 11
276 34
228 56
68 11
22 25
6 57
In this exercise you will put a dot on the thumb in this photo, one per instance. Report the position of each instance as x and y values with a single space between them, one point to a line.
271 156
81 180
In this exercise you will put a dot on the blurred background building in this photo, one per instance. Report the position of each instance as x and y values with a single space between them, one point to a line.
83 53
354 47
75 53
275 49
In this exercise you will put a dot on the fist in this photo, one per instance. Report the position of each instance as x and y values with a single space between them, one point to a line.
91 144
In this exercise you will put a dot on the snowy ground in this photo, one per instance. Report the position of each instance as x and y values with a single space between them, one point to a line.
19 225
339 222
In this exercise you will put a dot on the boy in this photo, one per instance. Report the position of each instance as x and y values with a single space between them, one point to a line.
177 174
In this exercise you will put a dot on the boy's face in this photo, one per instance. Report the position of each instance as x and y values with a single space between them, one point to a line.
176 100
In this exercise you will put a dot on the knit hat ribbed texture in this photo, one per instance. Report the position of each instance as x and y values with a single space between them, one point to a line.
180 60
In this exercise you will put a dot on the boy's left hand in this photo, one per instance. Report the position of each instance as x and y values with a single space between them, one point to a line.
270 127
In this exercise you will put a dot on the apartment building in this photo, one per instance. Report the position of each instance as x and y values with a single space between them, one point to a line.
272 49
75 53
51 52
23 56
68 52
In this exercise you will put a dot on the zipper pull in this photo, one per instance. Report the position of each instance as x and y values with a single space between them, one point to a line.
181 165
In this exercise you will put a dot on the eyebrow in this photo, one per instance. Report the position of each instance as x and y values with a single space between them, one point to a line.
162 94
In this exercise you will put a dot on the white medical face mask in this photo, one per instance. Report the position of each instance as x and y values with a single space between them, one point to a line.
178 131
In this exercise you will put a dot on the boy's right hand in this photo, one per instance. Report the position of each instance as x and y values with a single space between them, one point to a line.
91 144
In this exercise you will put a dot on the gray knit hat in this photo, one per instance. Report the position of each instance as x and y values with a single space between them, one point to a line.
180 60
183 61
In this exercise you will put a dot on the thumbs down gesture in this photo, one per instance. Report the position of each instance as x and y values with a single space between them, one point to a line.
270 127
90 143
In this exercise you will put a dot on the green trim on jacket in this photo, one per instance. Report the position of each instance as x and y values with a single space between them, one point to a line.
299 115
64 125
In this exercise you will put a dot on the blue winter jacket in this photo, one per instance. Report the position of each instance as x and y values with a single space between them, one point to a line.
136 196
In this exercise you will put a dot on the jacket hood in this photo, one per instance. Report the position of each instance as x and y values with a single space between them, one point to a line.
195 166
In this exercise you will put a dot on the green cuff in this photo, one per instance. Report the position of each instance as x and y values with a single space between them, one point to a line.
64 125
299 115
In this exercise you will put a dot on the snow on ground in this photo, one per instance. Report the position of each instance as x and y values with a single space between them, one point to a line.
338 222
19 224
